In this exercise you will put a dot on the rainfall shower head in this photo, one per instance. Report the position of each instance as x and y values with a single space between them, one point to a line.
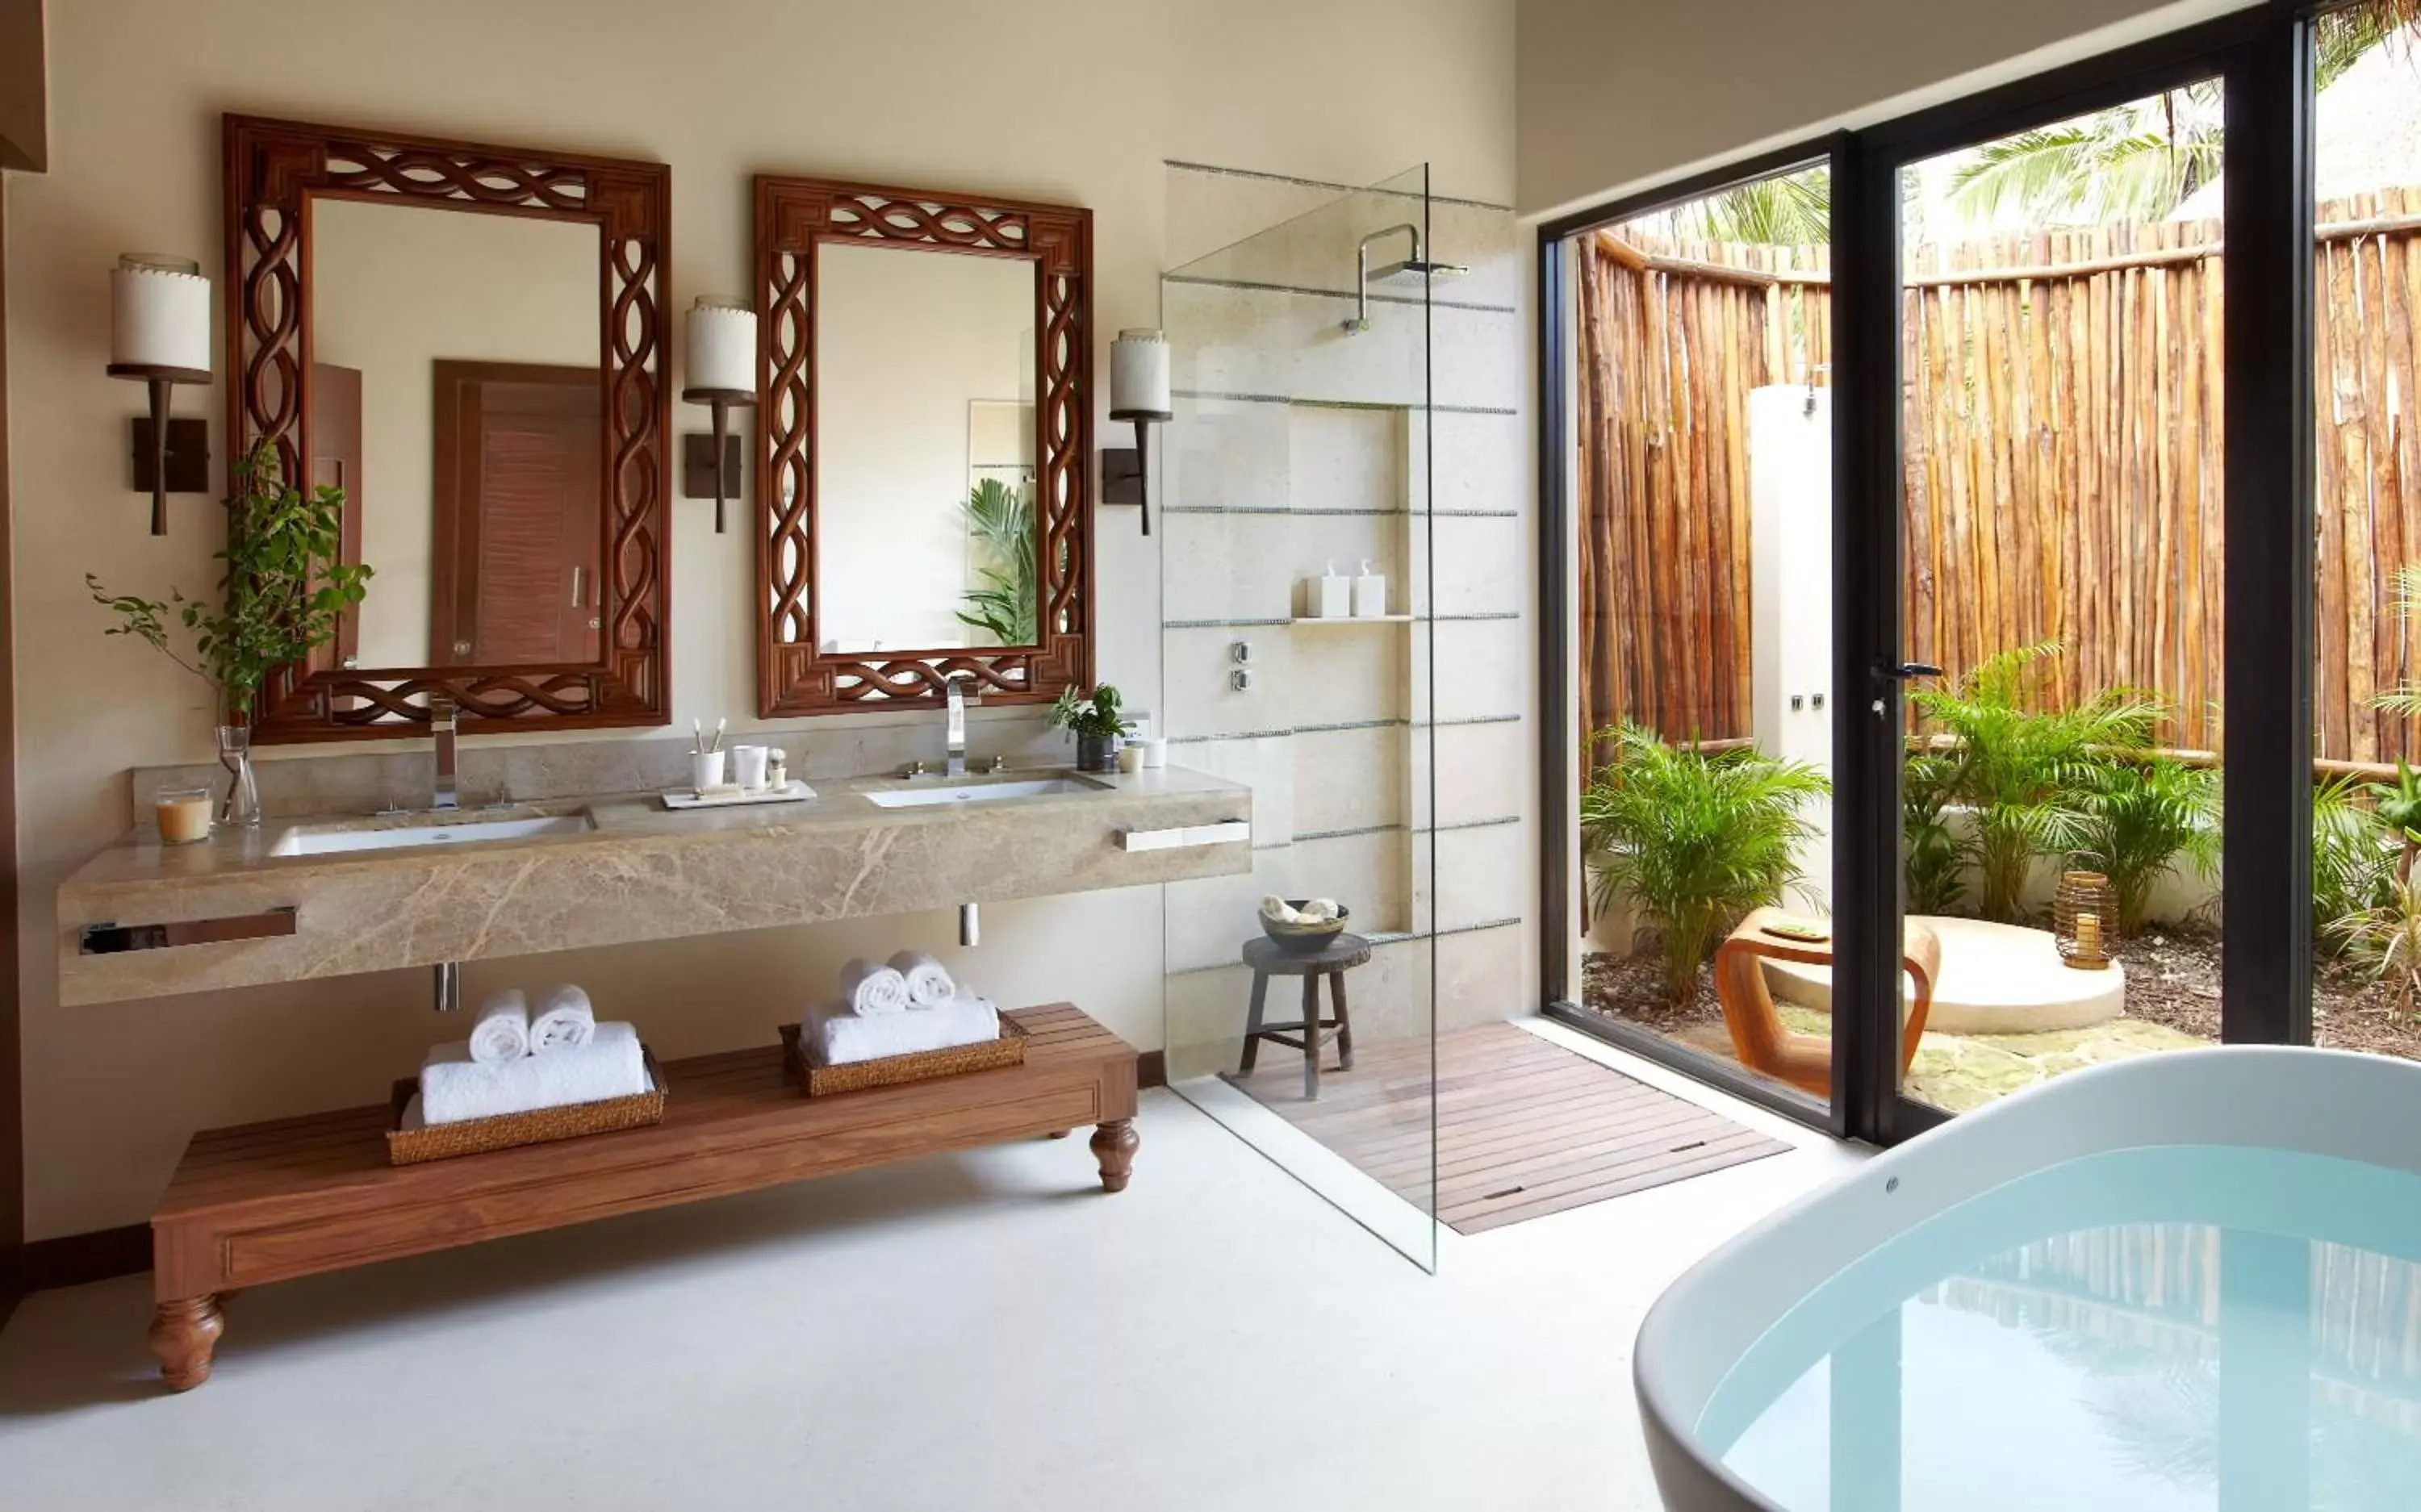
1415 269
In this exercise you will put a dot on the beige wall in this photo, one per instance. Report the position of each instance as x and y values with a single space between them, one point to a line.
1615 97
1063 100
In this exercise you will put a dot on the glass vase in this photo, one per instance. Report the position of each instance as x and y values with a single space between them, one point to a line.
242 805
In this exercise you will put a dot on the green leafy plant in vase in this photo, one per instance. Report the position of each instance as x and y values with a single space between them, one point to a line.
1095 720
283 594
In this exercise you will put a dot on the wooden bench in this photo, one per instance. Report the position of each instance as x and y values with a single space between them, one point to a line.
274 1201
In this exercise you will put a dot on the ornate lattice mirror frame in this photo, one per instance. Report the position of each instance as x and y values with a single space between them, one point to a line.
793 216
273 170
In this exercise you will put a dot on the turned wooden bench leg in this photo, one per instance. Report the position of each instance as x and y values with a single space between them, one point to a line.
1114 1144
184 1334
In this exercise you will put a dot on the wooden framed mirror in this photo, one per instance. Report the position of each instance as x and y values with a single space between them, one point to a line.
925 382
491 386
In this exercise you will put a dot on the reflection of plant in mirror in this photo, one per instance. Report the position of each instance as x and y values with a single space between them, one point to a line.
281 594
1000 517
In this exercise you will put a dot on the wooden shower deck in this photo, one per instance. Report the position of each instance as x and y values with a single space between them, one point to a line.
1525 1128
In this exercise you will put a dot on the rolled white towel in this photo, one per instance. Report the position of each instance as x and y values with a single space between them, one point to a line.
835 1036
454 1087
929 983
872 991
1275 907
564 1021
501 1033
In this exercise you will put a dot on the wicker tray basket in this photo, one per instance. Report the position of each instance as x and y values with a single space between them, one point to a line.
892 1070
542 1126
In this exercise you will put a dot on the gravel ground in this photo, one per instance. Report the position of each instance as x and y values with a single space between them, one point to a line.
2172 979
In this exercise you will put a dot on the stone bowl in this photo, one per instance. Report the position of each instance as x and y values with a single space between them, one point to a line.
1308 936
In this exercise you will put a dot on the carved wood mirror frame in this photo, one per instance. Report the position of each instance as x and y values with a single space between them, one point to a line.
793 217
273 170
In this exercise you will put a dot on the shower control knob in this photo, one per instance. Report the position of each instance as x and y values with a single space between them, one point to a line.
1241 679
1241 652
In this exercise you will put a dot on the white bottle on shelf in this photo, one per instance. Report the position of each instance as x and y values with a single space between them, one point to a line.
1334 598
1369 593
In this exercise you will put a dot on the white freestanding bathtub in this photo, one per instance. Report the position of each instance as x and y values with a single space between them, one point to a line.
2186 1280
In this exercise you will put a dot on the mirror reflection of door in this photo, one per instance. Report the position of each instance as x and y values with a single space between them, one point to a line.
517 528
336 463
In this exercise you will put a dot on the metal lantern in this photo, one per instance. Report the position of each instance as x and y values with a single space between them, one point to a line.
2085 920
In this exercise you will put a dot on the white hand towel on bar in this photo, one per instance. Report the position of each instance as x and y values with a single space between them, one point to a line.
502 1032
564 1021
929 983
835 1036
871 989
454 1087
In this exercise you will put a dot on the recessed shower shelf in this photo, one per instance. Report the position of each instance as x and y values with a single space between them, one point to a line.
1352 619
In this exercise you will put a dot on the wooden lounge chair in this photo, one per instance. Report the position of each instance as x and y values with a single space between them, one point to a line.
1758 1039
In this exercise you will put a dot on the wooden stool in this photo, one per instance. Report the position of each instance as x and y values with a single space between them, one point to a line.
1269 958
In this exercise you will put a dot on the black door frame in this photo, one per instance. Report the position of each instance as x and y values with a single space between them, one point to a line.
2262 57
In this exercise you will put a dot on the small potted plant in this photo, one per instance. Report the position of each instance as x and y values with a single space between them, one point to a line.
1093 717
283 594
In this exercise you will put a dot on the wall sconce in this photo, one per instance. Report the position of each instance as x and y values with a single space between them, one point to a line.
160 333
722 366
1138 392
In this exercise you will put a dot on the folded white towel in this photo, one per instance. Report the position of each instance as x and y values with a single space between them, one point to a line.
564 1021
871 989
502 1032
453 1086
929 984
835 1036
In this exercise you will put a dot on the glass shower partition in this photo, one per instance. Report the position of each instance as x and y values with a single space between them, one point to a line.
1299 452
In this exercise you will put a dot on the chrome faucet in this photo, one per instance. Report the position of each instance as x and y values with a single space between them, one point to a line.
957 700
441 724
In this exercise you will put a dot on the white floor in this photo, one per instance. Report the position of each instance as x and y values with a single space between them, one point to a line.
969 1333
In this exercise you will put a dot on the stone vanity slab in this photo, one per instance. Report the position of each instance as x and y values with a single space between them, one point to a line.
642 873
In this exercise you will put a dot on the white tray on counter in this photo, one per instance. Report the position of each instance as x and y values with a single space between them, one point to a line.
793 791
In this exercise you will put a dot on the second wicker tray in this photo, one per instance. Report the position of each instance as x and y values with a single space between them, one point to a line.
541 1126
892 1070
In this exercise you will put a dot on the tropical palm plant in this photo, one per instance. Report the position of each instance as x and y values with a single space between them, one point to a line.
2022 770
2397 808
1000 517
2350 868
1788 209
1695 839
2390 937
2138 162
1933 856
2141 818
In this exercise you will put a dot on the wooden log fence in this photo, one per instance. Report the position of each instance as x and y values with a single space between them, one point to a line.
2063 464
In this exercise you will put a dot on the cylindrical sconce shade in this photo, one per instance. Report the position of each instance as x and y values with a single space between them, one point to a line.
1139 376
160 313
722 346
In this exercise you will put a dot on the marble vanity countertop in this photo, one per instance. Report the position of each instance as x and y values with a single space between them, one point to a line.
643 872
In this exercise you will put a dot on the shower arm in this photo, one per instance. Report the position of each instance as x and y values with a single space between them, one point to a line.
1361 320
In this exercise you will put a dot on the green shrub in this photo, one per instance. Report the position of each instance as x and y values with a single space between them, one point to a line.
2023 771
2141 818
1933 859
1695 839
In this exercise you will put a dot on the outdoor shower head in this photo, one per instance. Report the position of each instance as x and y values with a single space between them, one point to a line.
1411 270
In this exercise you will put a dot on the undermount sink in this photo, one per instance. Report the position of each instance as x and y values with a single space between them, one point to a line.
328 839
981 792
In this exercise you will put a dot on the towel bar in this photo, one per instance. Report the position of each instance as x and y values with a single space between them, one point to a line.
1197 834
110 938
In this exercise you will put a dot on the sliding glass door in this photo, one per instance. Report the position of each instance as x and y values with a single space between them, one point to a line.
2031 524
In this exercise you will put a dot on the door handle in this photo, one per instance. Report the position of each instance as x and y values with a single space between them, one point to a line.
1903 671
577 584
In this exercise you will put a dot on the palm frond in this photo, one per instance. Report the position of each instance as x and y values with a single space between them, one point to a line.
1791 210
1695 839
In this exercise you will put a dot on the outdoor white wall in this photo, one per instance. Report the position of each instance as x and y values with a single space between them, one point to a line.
395 290
1074 101
1790 597
1618 96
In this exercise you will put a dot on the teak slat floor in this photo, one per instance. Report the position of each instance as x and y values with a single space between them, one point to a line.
1525 1128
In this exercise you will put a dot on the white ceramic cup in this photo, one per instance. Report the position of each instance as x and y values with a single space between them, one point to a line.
705 770
748 767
